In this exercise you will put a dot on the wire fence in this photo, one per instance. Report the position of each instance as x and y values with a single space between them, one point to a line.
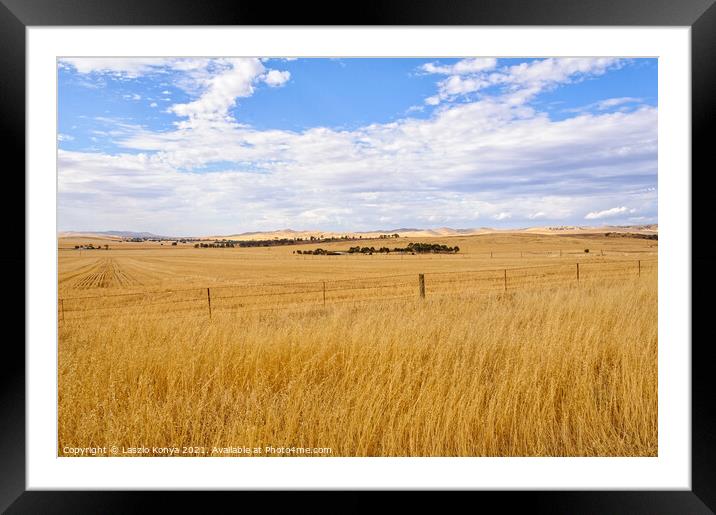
207 301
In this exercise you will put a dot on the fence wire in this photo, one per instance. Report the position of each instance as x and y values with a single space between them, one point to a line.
270 296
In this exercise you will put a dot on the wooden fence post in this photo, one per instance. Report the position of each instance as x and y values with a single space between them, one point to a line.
639 265
505 276
208 298
577 272
421 285
324 293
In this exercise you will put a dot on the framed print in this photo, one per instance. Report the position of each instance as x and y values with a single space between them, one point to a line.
420 249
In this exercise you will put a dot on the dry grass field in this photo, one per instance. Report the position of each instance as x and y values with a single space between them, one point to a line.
508 355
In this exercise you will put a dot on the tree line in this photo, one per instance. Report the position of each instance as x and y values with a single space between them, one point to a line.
412 248
216 245
284 241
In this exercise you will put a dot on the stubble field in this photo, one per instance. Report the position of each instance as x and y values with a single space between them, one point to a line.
510 353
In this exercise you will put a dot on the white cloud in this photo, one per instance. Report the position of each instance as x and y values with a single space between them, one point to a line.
127 66
153 104
497 156
166 92
613 102
276 78
556 70
608 213
464 66
606 104
483 157
456 85
65 137
236 80
520 82
433 101
132 96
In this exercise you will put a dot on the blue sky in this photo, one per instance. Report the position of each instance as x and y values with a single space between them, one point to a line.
219 146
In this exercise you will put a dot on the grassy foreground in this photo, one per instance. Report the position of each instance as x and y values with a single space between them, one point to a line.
560 372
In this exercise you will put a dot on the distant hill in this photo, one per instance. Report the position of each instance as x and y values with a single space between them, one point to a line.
580 229
113 235
437 232
403 232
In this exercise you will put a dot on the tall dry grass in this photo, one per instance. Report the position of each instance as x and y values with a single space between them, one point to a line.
570 371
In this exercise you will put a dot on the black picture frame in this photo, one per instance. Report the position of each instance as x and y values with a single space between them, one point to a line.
700 15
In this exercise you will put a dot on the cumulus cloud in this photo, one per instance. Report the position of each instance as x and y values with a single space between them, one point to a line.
608 213
606 104
505 159
504 215
469 159
127 66
521 81
133 67
613 102
276 78
463 66
236 79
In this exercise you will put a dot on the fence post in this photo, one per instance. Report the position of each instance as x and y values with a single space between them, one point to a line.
324 293
577 272
639 265
421 285
505 279
208 298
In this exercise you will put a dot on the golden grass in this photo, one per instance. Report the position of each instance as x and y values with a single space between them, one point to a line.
180 267
565 371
